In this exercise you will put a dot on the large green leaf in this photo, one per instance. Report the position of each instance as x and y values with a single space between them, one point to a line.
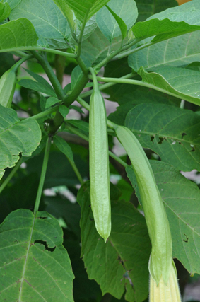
33 271
162 29
84 10
126 10
16 137
178 51
4 11
124 255
17 34
179 82
97 47
50 24
181 198
172 133
175 51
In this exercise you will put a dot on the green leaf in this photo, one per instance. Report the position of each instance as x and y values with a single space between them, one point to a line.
76 75
179 82
40 84
147 8
59 170
123 259
84 10
7 88
63 110
50 24
162 29
182 204
97 47
21 33
4 11
16 137
12 3
178 51
64 147
172 133
50 102
33 271
67 12
60 207
118 16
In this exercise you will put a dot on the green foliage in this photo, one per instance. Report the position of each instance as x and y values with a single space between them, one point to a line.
146 58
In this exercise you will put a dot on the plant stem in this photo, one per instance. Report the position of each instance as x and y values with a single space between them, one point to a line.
59 65
14 170
50 73
135 82
42 177
116 52
21 61
104 86
34 48
74 167
44 113
127 53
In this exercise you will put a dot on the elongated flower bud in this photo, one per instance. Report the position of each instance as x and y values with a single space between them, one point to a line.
99 163
156 218
163 292
7 88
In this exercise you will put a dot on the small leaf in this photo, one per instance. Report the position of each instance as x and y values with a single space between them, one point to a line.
34 271
21 34
4 11
64 147
50 102
120 22
40 84
7 88
76 75
63 110
84 10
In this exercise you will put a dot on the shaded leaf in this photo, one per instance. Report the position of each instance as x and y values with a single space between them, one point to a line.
50 24
172 133
179 82
33 271
147 8
181 198
123 259
178 51
85 10
4 11
17 34
40 84
16 137
76 76
64 147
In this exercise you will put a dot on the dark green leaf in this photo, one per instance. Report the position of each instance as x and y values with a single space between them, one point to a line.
21 34
30 270
123 260
171 132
